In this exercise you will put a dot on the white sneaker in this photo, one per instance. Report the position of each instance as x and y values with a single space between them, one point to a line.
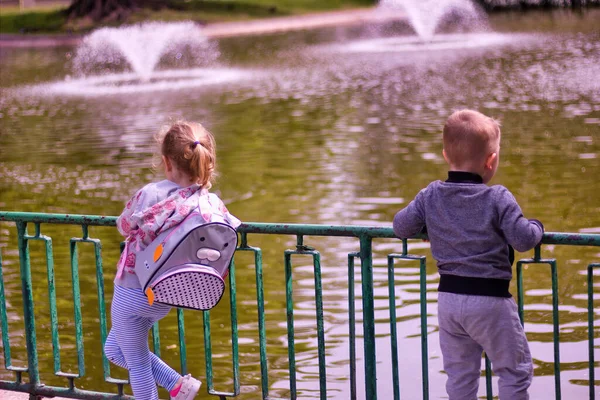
189 388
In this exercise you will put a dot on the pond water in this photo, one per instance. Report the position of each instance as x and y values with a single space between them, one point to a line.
311 128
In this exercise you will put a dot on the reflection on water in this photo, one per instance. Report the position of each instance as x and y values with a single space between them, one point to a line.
126 83
317 137
438 42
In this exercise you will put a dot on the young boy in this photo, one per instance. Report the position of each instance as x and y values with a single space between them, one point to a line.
471 227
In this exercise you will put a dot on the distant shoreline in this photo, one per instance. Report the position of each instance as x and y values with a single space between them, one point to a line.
260 26
229 29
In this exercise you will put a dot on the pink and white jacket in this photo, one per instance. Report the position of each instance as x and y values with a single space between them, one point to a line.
157 207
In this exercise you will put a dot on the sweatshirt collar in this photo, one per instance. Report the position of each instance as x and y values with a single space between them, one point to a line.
463 177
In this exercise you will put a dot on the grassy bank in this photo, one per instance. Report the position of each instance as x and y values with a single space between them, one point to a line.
53 18
46 18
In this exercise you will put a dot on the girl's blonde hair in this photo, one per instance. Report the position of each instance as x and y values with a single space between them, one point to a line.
192 149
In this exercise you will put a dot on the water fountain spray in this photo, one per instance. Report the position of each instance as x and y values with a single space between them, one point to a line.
153 56
440 25
425 16
142 46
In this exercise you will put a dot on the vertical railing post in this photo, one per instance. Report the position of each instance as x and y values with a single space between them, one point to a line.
235 352
4 324
320 325
423 311
520 294
4 319
424 340
52 301
262 329
366 257
156 339
352 324
101 299
234 343
555 311
305 250
28 312
77 306
182 346
393 329
5 335
289 306
260 302
556 324
207 349
51 295
592 364
489 394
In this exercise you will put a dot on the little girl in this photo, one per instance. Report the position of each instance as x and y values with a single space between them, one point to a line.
188 158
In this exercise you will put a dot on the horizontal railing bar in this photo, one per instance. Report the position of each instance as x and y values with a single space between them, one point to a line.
317 230
572 239
562 238
53 391
75 219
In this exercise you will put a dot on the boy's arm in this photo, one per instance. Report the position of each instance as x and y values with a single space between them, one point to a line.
521 233
411 220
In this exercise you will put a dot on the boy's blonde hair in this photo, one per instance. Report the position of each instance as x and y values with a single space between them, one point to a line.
192 149
469 136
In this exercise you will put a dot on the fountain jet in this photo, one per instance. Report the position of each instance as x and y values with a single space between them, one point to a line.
425 16
143 46
149 57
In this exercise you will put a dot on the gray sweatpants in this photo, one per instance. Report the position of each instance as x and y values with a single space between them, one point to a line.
472 324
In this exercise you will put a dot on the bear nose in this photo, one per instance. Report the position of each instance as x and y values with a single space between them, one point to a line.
208 254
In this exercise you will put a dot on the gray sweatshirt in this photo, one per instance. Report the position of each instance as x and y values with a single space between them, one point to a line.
470 226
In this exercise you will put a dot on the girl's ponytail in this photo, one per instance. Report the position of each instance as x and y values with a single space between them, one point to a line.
192 149
202 164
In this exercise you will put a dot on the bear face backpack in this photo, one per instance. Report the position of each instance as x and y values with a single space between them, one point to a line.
185 266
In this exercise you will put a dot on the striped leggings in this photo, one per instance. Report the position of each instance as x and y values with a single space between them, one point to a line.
127 343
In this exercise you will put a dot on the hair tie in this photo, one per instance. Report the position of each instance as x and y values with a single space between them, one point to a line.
196 143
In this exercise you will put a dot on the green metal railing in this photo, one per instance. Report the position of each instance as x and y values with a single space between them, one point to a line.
365 236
